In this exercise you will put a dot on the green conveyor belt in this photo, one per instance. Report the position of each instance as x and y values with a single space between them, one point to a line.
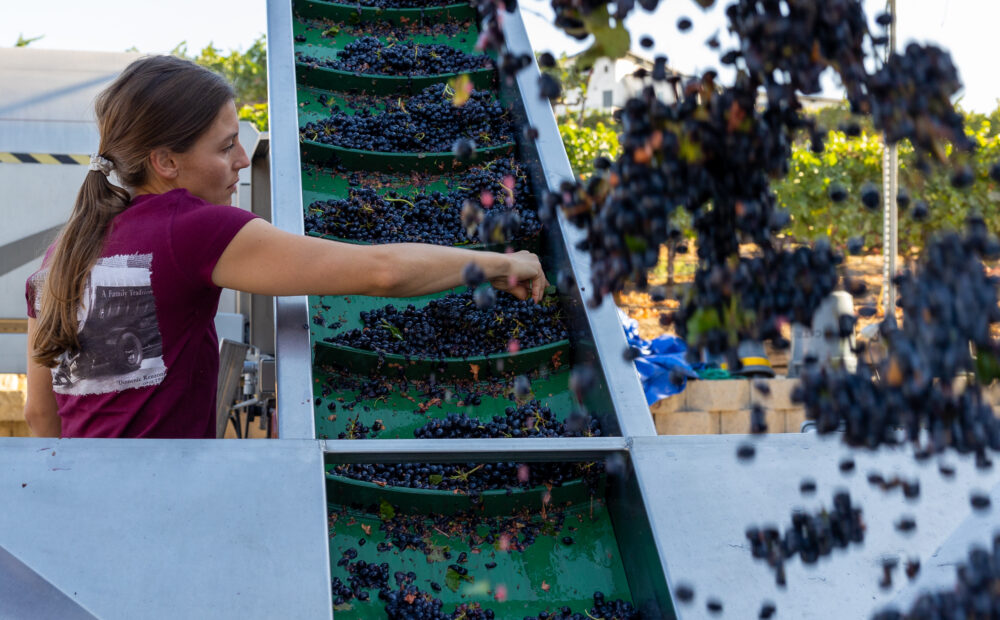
355 389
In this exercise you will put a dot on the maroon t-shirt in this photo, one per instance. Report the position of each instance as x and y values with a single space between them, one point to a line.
149 356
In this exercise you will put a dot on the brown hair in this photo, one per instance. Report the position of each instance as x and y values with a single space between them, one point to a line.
157 101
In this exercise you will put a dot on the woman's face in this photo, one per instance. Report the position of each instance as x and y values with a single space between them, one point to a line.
209 168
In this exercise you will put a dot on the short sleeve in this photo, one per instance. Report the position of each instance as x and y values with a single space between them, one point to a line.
35 283
201 232
31 286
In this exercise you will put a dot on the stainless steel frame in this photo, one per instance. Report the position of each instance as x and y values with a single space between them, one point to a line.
170 528
292 349
460 450
700 499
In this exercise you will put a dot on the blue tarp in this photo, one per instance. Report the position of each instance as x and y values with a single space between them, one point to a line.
659 357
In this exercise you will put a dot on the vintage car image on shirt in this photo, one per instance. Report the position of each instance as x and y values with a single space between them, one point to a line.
118 328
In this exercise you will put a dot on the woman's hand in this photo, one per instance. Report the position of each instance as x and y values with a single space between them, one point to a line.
524 276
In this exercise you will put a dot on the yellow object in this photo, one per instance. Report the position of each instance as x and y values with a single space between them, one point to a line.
750 361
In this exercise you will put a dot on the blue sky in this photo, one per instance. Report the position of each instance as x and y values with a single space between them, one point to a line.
968 28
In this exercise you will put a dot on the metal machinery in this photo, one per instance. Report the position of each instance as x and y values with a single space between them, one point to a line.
130 528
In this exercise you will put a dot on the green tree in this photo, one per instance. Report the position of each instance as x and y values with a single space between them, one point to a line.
584 144
573 77
246 71
851 162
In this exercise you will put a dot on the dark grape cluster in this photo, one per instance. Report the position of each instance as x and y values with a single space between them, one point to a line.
364 576
370 55
948 303
456 326
795 41
715 151
426 122
811 536
617 609
897 410
765 289
531 419
432 217
910 97
409 602
471 478
711 153
976 593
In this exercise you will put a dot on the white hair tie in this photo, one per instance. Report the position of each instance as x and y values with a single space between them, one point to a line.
101 164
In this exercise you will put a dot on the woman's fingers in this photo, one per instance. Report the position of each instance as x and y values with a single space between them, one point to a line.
538 286
526 277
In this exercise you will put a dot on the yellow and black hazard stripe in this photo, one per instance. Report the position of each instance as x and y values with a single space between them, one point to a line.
44 158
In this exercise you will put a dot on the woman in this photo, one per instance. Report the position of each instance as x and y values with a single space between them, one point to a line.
121 340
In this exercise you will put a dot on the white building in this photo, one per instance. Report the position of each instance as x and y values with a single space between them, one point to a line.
612 83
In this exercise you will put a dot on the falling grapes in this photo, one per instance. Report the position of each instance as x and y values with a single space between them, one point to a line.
974 594
810 536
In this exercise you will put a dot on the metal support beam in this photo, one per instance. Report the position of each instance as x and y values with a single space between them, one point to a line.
292 348
169 528
461 450
890 189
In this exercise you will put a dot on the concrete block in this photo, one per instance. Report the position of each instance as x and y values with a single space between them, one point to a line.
794 419
738 422
780 396
12 406
734 421
724 395
14 429
688 423
669 404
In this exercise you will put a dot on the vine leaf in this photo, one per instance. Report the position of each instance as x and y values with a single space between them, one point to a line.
610 41
395 331
453 580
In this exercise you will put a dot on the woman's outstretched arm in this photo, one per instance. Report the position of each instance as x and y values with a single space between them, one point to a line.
265 260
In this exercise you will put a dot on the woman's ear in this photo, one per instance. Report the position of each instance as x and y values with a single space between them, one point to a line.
164 163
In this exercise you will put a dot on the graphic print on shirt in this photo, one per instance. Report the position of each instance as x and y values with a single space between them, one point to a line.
120 342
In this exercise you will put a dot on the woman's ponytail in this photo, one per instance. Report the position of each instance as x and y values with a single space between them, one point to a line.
77 249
